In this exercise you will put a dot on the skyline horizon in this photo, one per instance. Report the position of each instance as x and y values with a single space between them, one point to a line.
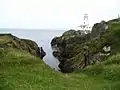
52 14
8 28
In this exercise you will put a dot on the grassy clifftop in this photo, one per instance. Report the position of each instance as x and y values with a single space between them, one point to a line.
8 40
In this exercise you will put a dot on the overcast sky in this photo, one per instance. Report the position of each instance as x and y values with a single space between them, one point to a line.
45 14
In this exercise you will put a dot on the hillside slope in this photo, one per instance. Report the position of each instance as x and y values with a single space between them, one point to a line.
19 70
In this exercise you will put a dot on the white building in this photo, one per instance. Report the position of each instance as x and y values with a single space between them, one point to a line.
85 26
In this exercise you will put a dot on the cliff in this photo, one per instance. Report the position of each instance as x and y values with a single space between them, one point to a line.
8 40
76 51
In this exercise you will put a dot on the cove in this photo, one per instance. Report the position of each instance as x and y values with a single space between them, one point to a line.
43 38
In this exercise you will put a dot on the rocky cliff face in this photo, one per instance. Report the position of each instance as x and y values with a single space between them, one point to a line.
76 50
8 40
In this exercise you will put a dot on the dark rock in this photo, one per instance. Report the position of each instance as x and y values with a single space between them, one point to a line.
40 52
99 28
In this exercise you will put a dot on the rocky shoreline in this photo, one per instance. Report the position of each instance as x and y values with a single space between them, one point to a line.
76 50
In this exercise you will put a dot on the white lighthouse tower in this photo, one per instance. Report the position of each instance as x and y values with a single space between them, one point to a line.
85 27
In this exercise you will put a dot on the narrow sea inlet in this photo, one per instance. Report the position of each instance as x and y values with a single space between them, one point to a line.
43 39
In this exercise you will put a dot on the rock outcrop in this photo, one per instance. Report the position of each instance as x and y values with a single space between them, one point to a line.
76 50
8 40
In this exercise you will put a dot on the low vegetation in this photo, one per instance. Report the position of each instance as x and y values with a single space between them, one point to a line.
20 70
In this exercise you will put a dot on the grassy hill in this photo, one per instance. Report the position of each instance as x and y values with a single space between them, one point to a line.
20 70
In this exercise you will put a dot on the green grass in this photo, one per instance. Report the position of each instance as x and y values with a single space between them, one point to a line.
21 71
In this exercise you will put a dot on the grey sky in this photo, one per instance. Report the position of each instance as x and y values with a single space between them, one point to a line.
44 14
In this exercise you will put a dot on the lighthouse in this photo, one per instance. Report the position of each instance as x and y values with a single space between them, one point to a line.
85 27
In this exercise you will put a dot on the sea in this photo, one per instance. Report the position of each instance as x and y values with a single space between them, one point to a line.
42 38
